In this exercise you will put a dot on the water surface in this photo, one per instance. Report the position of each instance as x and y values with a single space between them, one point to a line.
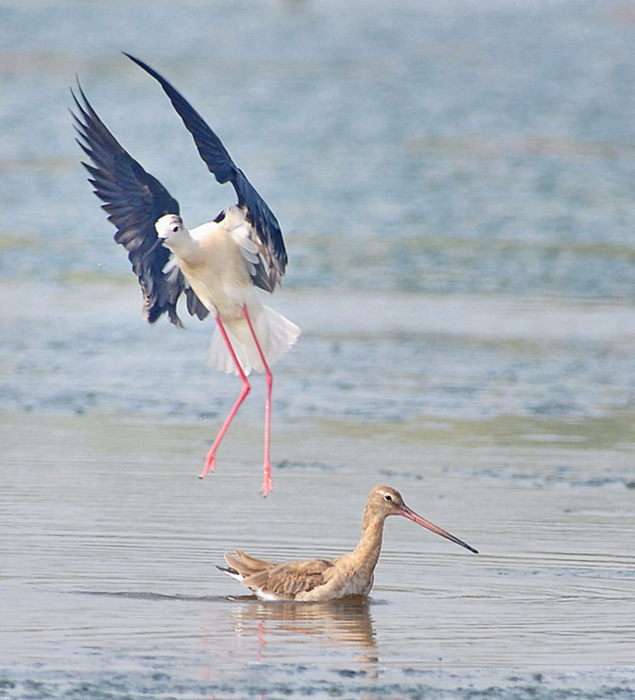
455 183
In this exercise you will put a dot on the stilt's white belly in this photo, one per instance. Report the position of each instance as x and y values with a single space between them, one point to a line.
216 271
219 275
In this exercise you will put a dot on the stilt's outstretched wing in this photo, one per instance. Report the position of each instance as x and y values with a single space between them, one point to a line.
266 228
134 201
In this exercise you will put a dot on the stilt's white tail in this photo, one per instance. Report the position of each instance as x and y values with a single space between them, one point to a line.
276 334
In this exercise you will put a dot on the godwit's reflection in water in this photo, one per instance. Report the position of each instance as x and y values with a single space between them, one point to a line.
339 622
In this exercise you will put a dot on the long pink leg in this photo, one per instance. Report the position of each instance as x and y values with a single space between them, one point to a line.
211 455
267 483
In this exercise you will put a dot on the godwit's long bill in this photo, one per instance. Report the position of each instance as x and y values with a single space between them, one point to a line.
216 265
328 579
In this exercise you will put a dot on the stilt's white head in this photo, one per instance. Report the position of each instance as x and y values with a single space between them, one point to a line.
171 229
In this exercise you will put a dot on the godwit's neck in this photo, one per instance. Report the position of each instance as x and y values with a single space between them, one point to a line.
369 547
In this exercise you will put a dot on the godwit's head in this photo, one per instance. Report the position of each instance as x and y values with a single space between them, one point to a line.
384 501
170 228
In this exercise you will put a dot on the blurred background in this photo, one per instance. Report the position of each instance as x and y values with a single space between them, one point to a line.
455 181
445 173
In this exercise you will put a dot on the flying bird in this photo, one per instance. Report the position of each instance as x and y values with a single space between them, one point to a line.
216 265
319 580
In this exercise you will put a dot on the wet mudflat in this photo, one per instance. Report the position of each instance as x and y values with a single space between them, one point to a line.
110 543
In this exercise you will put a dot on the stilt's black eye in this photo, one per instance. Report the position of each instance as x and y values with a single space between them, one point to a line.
175 229
388 497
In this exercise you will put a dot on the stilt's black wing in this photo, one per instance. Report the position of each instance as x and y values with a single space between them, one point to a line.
134 201
270 242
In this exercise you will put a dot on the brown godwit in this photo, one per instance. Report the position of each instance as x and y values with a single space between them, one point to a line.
216 264
329 579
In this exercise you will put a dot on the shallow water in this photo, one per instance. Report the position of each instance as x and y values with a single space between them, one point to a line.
455 183
110 545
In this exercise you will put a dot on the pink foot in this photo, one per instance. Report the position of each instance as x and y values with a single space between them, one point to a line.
210 464
267 483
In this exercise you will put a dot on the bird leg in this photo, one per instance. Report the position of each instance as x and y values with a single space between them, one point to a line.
211 455
267 483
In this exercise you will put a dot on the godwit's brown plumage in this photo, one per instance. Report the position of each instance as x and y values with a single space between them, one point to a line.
328 579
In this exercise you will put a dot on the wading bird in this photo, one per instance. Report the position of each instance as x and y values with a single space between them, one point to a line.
216 265
328 579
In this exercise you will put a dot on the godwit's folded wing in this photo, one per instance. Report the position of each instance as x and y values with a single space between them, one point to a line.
245 564
134 201
290 580
266 230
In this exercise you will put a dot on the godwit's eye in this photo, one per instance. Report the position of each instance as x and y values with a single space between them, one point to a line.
388 497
